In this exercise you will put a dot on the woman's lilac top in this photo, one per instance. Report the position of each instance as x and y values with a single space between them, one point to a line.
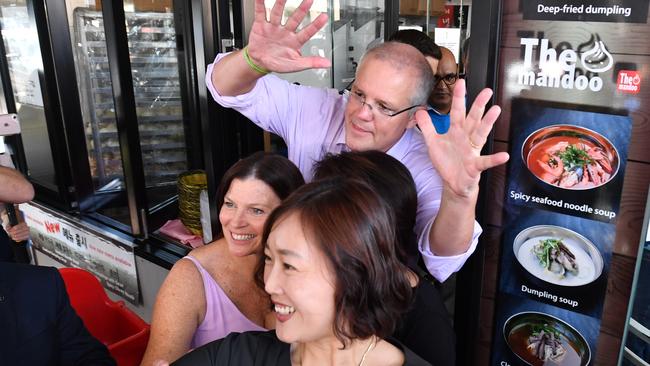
221 315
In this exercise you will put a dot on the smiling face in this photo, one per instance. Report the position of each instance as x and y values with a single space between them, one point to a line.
382 86
245 209
301 285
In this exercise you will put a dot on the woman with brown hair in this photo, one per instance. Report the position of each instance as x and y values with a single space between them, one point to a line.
426 327
212 291
336 284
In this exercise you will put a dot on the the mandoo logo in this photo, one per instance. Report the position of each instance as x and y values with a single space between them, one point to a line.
559 70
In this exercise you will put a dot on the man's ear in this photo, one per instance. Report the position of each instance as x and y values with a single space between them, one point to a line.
412 122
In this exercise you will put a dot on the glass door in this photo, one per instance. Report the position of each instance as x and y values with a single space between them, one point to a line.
25 68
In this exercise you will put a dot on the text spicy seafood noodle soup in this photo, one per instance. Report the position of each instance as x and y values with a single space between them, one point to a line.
571 158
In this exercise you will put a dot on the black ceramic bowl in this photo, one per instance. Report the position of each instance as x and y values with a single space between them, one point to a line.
519 327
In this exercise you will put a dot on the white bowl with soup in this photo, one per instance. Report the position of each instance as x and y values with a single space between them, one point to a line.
558 255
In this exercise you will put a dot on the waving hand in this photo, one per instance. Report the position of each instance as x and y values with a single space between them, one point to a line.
276 47
456 155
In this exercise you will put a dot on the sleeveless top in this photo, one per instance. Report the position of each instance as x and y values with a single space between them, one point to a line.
221 315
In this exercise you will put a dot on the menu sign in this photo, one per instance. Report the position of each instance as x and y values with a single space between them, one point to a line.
569 104
75 244
621 11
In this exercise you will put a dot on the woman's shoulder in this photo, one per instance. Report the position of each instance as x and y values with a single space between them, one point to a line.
210 255
410 358
248 348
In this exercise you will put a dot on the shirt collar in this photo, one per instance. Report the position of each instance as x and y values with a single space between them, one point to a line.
402 145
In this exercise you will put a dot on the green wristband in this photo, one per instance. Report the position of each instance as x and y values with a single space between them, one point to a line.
252 65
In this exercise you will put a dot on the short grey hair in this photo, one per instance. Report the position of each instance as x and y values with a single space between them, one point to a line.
406 57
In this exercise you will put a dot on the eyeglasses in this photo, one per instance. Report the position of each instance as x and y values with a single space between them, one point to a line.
358 97
449 79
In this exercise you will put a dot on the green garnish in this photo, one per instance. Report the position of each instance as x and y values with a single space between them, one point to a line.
573 156
546 328
543 251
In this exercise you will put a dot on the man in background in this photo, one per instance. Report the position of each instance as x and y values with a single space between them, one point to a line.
422 42
444 81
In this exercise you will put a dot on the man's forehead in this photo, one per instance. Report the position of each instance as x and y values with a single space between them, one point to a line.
447 63
384 79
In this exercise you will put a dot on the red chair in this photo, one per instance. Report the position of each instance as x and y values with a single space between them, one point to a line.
121 330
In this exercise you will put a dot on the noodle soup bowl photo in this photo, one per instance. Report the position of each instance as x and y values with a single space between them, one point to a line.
570 157
540 339
557 258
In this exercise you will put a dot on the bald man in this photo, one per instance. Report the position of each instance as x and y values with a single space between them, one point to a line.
444 82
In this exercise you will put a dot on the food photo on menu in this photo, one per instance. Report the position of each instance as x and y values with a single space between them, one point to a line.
557 259
567 161
531 333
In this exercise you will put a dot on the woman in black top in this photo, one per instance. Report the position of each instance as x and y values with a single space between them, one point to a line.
426 328
336 284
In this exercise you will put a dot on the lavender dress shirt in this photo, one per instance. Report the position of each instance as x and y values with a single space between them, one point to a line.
311 122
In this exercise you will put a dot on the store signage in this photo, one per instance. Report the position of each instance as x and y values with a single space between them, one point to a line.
621 11
558 69
570 97
628 81
75 244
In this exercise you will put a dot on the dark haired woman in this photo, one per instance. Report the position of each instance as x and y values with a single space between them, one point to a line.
426 328
337 286
212 292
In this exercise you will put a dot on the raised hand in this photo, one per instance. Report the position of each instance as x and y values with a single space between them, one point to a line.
456 155
276 47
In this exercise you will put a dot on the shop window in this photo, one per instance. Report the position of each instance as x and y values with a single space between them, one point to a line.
444 21
104 110
156 83
24 62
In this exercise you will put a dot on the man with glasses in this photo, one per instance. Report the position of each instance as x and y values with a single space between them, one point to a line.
387 99
444 82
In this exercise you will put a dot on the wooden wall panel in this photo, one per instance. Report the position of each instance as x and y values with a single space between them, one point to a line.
619 284
630 217
607 350
486 320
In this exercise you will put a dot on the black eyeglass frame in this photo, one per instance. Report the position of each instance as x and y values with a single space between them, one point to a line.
437 79
348 90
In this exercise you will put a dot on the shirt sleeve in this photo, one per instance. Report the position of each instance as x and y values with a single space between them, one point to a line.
441 267
274 104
